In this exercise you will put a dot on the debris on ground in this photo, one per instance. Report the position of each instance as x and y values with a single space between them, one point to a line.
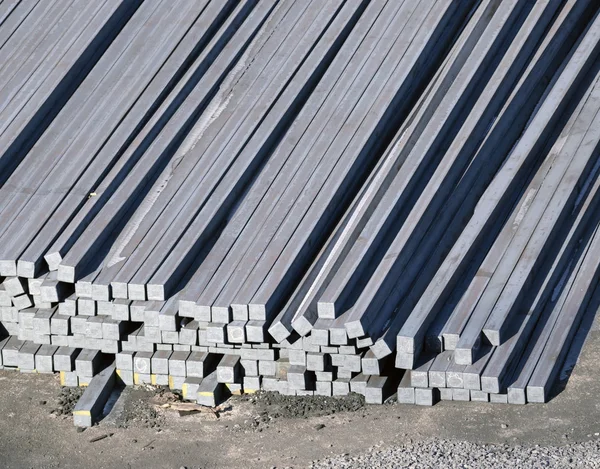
101 437
66 402
189 408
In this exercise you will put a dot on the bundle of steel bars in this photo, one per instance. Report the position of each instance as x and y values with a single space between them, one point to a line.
314 198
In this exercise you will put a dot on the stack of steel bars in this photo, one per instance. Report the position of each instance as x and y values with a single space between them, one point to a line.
308 197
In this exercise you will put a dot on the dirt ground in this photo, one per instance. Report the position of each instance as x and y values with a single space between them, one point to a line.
267 431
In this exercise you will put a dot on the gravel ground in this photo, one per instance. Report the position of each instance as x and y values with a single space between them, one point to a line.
465 455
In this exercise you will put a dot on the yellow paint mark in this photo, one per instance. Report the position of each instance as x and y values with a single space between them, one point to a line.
205 393
153 380
250 391
62 378
136 378
235 391
184 389
85 413
171 382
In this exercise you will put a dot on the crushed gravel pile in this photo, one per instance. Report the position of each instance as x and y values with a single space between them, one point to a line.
66 401
465 455
268 406
280 406
140 409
